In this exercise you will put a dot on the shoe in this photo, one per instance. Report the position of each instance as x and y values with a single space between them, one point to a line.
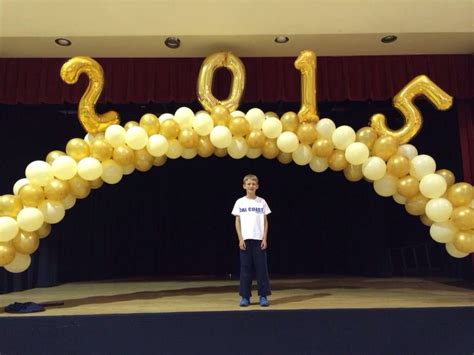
264 301
244 302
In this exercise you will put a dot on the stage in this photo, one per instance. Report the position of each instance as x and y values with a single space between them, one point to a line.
326 315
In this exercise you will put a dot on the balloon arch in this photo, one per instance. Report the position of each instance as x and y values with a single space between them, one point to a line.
375 153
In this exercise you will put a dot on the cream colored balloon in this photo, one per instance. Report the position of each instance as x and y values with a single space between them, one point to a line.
112 172
69 202
407 150
325 128
357 153
343 136
238 148
443 232
128 169
422 165
115 135
136 138
184 116
237 113
439 209
433 185
53 211
254 153
287 142
203 123
8 228
157 145
386 186
319 164
451 249
19 184
39 173
221 137
20 263
64 167
89 168
302 155
256 117
30 219
189 153
174 149
399 199
374 168
272 127
165 116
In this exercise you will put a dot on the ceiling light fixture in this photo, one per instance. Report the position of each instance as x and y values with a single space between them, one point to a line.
389 39
172 42
63 42
281 39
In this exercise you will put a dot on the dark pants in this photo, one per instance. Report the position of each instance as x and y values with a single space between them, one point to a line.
253 257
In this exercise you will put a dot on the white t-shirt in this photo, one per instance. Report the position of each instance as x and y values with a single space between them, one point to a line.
252 214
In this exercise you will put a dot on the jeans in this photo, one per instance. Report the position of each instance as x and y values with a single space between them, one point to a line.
253 257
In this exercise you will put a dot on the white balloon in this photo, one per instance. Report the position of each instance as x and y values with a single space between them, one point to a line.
343 136
302 155
128 169
422 165
89 168
237 114
439 209
165 116
157 145
433 185
386 186
238 148
443 232
20 263
136 138
53 211
112 172
39 173
203 123
357 153
175 149
256 117
407 150
69 202
64 167
19 184
325 128
374 168
115 135
189 153
272 127
254 153
288 142
221 137
401 200
8 228
30 219
318 164
184 117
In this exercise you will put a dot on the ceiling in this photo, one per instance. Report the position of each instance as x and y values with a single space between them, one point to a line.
138 28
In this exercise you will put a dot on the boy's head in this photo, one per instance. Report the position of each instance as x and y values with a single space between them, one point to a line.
250 177
250 184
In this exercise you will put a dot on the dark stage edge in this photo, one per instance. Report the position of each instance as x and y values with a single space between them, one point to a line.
338 331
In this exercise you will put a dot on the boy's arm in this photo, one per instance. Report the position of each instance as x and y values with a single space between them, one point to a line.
238 229
265 233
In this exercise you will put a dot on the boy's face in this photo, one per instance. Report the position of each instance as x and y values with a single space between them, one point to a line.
250 186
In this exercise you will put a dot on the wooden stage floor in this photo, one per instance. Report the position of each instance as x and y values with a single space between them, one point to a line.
195 295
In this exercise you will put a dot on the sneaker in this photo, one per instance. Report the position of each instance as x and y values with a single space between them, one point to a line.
264 301
244 302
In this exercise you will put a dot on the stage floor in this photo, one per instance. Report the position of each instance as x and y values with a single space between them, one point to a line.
196 295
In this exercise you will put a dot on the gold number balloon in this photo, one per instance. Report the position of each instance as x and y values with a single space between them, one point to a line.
90 120
206 74
403 102
306 64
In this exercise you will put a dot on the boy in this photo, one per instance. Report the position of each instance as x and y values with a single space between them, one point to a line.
251 225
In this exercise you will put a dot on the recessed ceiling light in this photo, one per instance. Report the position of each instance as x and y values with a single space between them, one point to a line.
172 42
63 42
281 39
389 39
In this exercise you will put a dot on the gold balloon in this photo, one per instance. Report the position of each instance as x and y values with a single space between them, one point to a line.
408 186
460 194
447 175
256 139
426 220
31 195
337 160
101 149
290 122
270 149
150 123
205 148
239 126
306 64
403 102
7 253
26 242
463 218
77 149
188 138
124 155
322 147
44 230
159 161
464 241
90 120
367 135
131 124
170 129
79 187
206 75
416 205
220 115
384 147
53 155
10 205
56 190
285 158
307 133
143 160
353 173
97 183
398 166
271 114
220 152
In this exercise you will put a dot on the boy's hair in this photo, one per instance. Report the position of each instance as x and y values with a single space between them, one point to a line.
250 177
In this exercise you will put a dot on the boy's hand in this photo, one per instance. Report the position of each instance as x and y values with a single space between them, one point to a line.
263 245
242 245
